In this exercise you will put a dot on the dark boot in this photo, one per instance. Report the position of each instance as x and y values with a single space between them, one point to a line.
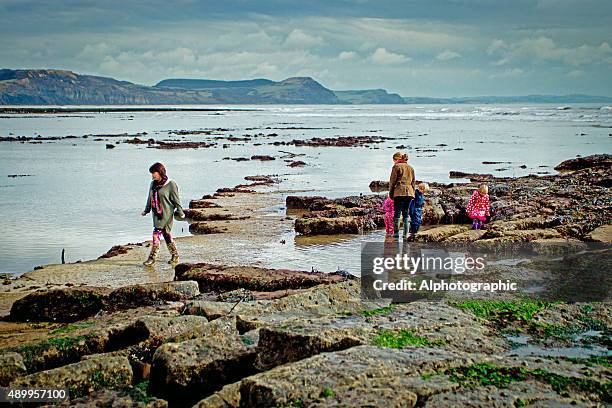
152 256
174 252
396 227
475 224
406 225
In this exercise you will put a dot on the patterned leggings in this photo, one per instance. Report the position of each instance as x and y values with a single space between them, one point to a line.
389 222
158 234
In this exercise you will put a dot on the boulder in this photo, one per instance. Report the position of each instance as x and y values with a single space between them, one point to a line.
200 214
358 370
297 163
340 225
298 202
262 157
129 397
167 327
601 234
343 297
440 233
293 338
433 212
83 377
202 204
151 293
378 186
299 339
11 367
603 161
202 228
186 372
538 395
60 305
72 304
226 397
224 278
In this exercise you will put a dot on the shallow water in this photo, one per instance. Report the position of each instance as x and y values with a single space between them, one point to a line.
523 347
84 198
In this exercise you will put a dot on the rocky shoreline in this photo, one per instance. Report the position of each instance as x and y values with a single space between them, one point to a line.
216 334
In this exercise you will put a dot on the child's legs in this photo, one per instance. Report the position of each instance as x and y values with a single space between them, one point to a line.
389 222
167 237
157 236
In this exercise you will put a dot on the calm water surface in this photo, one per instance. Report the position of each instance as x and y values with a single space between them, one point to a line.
85 198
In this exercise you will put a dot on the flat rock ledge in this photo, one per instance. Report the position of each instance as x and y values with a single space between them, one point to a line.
317 346
72 304
220 278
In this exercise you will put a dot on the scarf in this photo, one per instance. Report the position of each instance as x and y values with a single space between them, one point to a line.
155 205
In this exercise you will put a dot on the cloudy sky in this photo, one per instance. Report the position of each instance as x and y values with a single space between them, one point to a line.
415 48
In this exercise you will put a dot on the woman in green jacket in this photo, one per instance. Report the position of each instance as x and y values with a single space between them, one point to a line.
164 202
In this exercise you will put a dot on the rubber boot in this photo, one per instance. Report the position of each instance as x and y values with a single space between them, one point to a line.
475 224
174 253
412 234
396 227
152 256
406 225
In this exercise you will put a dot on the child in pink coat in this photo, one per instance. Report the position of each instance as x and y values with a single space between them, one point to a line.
389 213
478 208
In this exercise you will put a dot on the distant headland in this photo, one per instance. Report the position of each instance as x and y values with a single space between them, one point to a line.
62 87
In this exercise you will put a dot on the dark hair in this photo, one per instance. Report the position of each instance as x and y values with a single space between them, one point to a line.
158 167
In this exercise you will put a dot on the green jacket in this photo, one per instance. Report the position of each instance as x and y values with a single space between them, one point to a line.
170 201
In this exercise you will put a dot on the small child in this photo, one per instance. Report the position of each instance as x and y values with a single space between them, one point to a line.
389 214
478 208
416 209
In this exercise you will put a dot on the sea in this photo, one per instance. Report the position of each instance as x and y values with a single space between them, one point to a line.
76 195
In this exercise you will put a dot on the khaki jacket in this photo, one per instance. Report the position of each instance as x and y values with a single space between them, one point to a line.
402 182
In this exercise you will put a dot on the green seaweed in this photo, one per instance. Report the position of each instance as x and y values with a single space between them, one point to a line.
327 393
489 374
559 331
62 344
403 338
139 392
513 310
593 324
71 327
380 311
605 361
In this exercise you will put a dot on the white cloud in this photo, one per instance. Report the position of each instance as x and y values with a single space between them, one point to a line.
298 38
383 57
497 46
347 55
542 49
447 55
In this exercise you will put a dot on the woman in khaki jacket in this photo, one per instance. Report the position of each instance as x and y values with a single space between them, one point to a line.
401 190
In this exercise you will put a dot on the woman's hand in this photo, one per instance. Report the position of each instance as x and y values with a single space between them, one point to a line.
143 213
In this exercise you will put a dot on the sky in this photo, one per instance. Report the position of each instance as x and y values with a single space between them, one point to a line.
414 48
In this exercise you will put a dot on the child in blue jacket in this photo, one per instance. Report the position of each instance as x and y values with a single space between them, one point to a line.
416 209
